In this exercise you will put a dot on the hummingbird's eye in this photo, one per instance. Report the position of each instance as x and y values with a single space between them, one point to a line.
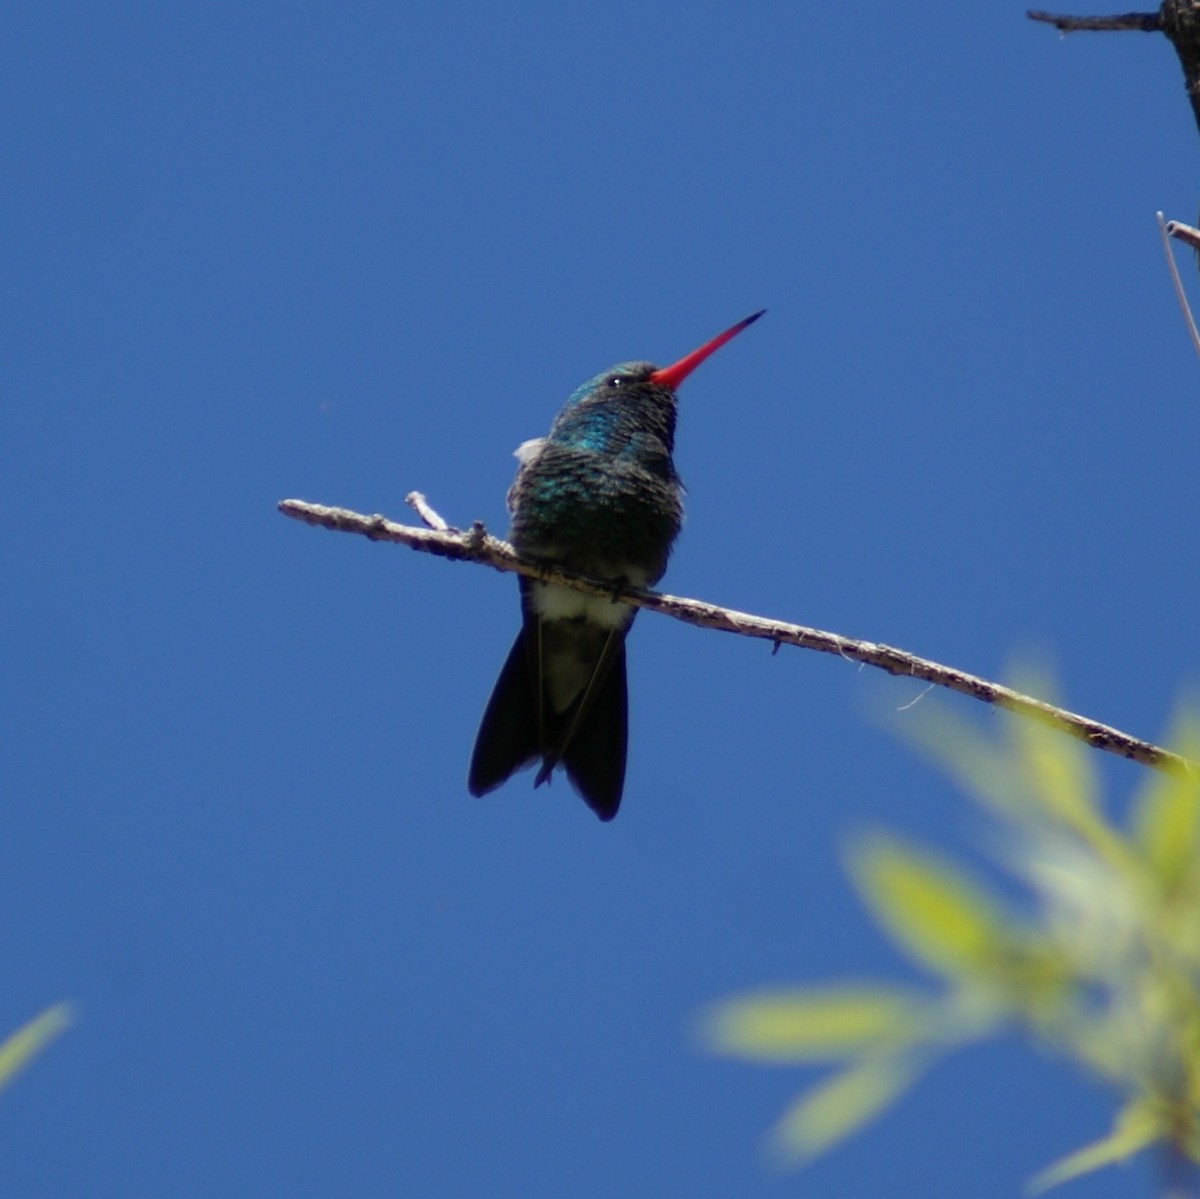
615 381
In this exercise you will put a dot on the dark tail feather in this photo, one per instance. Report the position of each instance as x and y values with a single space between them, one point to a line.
589 739
507 739
594 756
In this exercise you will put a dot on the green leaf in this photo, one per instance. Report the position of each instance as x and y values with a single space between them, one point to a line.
31 1039
983 770
840 1106
1166 821
1042 777
930 909
1059 771
1135 1127
816 1024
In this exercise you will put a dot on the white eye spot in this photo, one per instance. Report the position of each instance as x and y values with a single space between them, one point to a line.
615 381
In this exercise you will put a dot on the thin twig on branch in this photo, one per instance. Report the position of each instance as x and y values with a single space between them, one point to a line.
477 545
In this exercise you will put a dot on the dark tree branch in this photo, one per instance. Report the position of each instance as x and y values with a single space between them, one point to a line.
1147 22
476 545
1178 19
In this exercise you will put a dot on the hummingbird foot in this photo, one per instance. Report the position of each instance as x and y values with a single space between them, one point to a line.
619 588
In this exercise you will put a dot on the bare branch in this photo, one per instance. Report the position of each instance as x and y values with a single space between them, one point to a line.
476 545
1185 233
1145 22
1178 20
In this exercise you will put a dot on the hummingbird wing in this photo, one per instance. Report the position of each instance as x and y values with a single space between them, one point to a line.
508 739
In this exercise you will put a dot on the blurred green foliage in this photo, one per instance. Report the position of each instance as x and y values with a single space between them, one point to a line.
30 1039
1101 963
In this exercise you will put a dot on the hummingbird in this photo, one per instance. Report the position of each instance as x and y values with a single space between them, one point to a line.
598 495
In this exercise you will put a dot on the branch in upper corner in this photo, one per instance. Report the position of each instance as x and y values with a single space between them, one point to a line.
1179 20
477 545
1145 22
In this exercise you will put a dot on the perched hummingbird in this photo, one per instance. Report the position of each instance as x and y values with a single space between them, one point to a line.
599 495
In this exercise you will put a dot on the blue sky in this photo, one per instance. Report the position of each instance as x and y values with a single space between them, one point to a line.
342 252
